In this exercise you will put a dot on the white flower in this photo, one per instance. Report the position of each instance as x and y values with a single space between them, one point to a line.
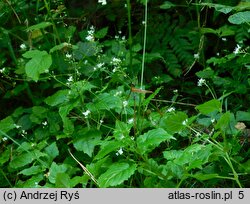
45 123
23 46
103 2
118 93
212 120
101 121
131 120
175 91
143 22
2 70
4 138
237 49
196 56
100 65
125 103
86 113
201 81
90 36
223 39
115 61
119 152
132 138
171 109
185 122
17 126
68 55
122 137
70 79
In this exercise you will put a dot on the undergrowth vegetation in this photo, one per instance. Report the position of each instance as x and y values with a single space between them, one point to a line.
124 93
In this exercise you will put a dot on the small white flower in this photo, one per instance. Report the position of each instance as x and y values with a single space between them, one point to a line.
115 61
45 123
17 126
68 55
4 138
171 109
122 137
70 79
101 121
175 91
2 70
103 2
131 120
201 81
119 152
125 103
116 37
132 138
118 93
86 113
90 38
123 38
100 65
224 39
212 120
185 122
143 22
23 46
237 49
196 56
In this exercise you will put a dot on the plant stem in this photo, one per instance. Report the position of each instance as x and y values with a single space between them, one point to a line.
130 42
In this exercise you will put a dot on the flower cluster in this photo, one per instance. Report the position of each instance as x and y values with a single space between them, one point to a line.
90 36
103 2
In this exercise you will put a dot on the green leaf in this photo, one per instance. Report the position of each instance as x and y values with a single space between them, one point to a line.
167 5
62 46
242 116
240 17
101 33
22 160
56 169
31 171
209 107
174 123
39 26
40 63
116 174
206 73
7 124
223 122
52 151
5 156
106 148
57 98
150 140
86 140
62 180
204 177
219 7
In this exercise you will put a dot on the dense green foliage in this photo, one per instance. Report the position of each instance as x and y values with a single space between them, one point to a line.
75 110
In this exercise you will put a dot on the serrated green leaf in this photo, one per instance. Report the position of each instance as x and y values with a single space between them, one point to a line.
219 7
240 17
86 140
101 33
39 26
31 171
116 174
209 107
174 123
22 160
57 98
151 139
39 63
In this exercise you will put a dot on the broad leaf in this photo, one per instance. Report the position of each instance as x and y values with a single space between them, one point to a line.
39 63
150 140
240 17
57 98
116 174
209 107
